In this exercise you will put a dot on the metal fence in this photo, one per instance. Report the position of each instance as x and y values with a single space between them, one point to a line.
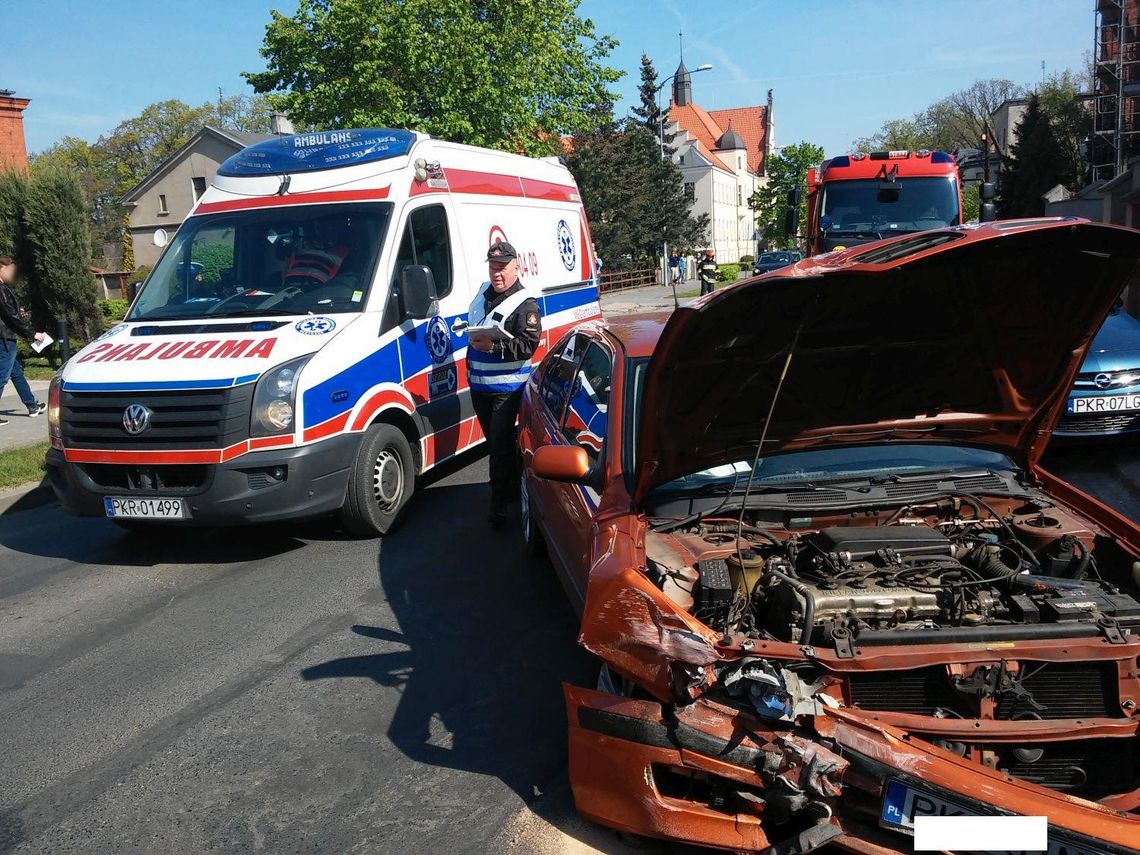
620 280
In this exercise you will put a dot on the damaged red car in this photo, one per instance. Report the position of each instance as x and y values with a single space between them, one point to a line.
830 586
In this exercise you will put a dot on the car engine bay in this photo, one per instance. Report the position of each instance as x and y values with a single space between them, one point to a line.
957 569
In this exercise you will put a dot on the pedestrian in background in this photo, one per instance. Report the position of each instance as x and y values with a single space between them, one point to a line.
12 324
707 271
497 369
683 267
673 270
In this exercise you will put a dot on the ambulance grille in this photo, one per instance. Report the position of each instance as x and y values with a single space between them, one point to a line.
182 419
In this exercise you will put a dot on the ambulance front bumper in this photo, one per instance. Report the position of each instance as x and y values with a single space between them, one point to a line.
262 486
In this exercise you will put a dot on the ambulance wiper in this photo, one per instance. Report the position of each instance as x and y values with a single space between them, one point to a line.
246 313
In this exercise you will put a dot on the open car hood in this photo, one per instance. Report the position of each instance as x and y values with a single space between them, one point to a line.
967 335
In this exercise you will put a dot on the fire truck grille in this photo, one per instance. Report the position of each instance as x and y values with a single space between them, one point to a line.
183 419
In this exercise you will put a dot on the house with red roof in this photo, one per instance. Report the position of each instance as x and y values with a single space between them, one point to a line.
721 154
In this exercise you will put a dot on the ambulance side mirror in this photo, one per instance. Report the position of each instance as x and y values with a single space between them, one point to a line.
417 292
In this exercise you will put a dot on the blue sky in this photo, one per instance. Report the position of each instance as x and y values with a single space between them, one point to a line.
838 68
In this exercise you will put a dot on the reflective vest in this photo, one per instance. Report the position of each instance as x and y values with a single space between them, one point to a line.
485 371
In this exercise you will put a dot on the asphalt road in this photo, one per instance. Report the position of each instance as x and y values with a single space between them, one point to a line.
282 689
292 690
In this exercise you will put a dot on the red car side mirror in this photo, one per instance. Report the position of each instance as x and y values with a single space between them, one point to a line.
561 463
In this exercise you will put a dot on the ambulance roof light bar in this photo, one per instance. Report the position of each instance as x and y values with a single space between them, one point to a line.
319 150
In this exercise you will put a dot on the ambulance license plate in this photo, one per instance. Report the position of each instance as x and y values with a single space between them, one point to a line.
150 508
902 804
1104 404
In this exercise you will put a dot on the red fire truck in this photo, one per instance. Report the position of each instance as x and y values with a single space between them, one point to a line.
858 198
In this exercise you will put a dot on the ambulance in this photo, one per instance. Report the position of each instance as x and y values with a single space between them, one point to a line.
298 349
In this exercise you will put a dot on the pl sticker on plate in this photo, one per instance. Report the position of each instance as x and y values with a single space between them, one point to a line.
315 326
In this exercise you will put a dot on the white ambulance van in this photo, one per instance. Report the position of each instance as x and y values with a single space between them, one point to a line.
298 348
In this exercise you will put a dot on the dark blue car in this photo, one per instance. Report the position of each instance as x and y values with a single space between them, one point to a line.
775 259
1105 398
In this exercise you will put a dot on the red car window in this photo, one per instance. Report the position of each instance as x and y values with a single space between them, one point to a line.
586 416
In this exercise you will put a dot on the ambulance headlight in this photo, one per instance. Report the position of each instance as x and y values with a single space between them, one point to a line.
279 414
275 399
54 433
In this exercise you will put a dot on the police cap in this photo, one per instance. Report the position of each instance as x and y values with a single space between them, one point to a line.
502 252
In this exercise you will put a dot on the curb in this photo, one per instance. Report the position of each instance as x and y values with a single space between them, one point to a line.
25 497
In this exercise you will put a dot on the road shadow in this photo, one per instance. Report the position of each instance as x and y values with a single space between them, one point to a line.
52 533
489 637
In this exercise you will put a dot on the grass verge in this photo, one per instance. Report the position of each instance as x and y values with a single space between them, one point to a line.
21 465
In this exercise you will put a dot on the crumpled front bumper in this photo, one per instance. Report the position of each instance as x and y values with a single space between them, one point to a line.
695 774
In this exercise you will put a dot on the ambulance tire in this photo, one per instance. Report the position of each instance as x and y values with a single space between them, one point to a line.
381 482
534 545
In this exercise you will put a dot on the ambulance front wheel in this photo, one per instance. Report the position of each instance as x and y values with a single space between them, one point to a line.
382 479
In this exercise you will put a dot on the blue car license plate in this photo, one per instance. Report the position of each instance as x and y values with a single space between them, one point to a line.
902 804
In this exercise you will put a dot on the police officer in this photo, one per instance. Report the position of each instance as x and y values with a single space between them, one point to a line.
707 271
497 369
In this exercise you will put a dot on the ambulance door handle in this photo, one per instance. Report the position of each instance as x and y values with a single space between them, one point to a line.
458 326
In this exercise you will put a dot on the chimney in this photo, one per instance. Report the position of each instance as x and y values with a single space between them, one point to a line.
13 151
279 124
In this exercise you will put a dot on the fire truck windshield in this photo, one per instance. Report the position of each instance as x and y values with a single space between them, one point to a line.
869 209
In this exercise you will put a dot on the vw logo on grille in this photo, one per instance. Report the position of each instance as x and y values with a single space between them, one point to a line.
136 419
1103 381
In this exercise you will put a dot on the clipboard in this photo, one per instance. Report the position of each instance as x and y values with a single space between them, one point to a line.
42 344
491 334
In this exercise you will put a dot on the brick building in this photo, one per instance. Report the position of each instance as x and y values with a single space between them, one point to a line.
13 150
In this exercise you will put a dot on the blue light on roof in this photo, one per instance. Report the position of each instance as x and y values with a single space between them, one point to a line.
318 150
941 157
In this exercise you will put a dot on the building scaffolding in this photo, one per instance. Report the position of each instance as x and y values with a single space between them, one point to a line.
1116 85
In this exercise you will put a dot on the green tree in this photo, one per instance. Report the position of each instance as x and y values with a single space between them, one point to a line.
513 74
1035 164
58 233
953 122
634 198
128 246
787 169
13 199
1071 124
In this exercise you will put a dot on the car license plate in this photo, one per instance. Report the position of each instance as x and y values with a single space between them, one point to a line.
1104 404
151 508
903 803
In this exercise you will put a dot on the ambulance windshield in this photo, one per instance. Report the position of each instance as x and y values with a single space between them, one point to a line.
292 260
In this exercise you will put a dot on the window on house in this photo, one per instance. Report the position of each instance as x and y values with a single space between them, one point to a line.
681 160
199 187
162 209
739 195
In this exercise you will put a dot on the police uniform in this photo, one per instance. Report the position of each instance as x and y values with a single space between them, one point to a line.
497 377
707 271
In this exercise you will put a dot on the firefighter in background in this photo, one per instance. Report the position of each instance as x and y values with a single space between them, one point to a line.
498 370
707 271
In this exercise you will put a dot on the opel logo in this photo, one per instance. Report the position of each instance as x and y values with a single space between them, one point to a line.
136 419
1103 381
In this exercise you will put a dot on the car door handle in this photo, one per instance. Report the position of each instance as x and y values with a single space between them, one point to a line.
458 326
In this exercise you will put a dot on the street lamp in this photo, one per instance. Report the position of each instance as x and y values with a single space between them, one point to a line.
661 152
